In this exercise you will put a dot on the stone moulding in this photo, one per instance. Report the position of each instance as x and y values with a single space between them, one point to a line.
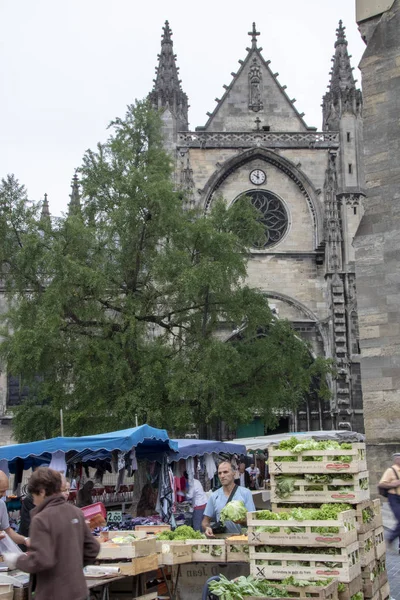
250 139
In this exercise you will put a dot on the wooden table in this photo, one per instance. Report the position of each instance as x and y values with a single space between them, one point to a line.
102 584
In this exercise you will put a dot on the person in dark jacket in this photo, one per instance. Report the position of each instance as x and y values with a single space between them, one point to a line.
61 543
26 506
85 495
244 477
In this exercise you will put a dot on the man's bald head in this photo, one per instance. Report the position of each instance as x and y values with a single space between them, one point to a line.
3 484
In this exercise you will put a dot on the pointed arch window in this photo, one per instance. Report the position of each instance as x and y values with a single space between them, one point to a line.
274 216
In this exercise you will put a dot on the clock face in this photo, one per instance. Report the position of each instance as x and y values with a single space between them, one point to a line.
258 177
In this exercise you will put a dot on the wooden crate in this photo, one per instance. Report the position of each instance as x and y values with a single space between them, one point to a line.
327 592
109 535
372 586
367 548
351 588
376 507
237 551
173 552
278 565
328 464
208 550
153 528
384 592
136 566
142 547
304 492
380 544
345 523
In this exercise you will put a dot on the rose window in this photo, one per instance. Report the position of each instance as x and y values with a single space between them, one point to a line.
273 216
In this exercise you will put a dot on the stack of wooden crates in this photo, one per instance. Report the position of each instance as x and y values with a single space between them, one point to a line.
359 560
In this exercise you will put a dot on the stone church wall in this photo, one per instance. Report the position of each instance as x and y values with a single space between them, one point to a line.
377 241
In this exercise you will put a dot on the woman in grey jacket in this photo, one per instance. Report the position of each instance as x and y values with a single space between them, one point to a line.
61 543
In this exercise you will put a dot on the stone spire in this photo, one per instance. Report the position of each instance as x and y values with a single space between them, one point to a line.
342 95
167 91
74 206
45 213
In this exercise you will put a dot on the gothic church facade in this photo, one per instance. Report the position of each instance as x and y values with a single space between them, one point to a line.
308 184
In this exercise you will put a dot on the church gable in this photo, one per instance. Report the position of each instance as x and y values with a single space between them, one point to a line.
255 100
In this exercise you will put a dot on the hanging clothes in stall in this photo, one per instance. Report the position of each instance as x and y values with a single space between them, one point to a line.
58 462
165 499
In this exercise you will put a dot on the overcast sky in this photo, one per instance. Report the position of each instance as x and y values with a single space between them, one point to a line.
68 67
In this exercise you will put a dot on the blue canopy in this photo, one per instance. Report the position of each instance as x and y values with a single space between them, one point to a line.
147 441
192 447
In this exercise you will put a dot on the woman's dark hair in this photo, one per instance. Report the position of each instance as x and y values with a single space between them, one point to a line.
45 479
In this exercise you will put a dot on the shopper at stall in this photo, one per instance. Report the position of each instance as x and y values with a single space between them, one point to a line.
254 473
85 495
243 477
197 496
4 522
218 499
61 542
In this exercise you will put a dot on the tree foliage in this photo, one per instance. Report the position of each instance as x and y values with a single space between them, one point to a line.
124 306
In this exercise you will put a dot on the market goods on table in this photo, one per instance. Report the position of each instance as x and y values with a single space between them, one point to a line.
327 487
367 547
234 511
135 566
207 550
237 548
368 515
276 562
374 576
243 588
126 547
308 456
347 591
329 525
173 552
380 545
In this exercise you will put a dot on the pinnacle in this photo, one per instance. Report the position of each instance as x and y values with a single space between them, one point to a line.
45 213
75 199
167 90
254 34
340 34
167 33
341 73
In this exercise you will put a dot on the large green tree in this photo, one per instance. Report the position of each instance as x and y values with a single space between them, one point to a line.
123 306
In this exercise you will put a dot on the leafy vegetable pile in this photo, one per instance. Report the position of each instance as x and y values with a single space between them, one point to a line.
368 514
245 586
184 532
248 586
211 549
234 511
285 485
123 539
297 447
324 513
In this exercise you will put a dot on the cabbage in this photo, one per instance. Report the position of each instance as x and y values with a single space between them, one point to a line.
233 511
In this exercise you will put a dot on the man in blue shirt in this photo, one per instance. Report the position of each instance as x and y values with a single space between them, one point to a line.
219 498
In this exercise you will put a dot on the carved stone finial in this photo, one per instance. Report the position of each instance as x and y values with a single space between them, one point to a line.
257 121
45 214
340 34
254 33
167 90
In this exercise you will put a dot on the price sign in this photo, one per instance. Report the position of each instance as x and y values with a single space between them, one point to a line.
114 516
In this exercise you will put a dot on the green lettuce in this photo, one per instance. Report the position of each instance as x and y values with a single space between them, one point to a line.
233 511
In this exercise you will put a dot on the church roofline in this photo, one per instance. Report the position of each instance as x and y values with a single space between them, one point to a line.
250 51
